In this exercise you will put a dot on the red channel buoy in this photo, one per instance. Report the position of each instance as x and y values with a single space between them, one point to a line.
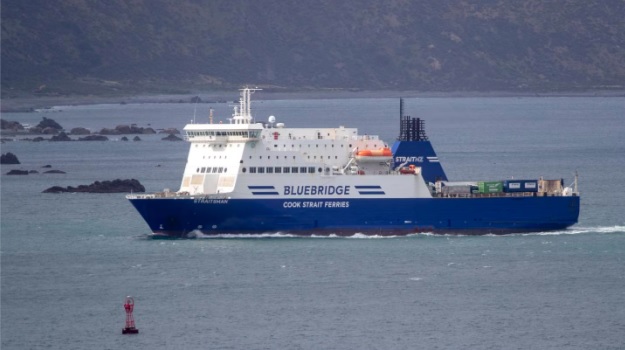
129 305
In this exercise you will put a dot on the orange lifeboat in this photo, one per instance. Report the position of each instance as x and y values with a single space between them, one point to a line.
377 155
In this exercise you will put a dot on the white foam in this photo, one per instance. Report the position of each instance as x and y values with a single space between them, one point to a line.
580 230
359 235
247 235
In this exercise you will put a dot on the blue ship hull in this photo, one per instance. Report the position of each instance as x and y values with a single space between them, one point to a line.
182 216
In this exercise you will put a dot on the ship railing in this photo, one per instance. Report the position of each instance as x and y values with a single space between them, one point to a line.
155 195
234 138
498 195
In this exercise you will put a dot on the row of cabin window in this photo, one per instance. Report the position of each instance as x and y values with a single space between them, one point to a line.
213 170
281 170
285 157
223 133
317 145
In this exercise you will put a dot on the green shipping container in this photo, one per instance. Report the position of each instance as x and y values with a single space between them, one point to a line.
490 186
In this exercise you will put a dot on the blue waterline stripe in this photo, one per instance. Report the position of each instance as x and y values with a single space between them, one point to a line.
261 187
371 192
367 187
264 193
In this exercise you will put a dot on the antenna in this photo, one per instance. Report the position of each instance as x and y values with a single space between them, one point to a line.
210 115
243 115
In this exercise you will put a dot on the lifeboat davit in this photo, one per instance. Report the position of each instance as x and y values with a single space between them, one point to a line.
377 155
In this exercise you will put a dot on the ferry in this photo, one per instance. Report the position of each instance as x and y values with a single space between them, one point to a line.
249 177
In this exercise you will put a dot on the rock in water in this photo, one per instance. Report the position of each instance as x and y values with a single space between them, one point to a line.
115 186
18 172
80 131
9 158
93 138
49 123
61 137
171 137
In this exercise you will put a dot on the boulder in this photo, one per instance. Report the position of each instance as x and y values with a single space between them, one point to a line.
124 138
147 131
93 138
49 131
79 131
9 158
136 138
171 137
10 125
170 131
123 129
107 131
18 172
115 186
49 123
54 172
56 189
61 137
47 166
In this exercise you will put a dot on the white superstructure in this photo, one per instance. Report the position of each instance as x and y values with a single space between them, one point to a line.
244 158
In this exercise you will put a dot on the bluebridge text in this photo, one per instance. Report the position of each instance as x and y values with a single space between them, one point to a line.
315 190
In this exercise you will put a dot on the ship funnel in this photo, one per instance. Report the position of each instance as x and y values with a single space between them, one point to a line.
414 148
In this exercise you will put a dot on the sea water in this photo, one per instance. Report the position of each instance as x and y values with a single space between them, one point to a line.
69 260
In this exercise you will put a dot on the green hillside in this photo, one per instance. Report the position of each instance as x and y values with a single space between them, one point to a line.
133 46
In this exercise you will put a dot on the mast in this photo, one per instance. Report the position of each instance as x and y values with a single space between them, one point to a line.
243 114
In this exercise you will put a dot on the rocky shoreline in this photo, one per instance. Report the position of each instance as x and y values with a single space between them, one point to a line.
30 103
115 186
49 126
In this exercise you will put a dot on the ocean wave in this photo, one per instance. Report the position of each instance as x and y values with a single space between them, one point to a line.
580 230
359 235
199 235
196 234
